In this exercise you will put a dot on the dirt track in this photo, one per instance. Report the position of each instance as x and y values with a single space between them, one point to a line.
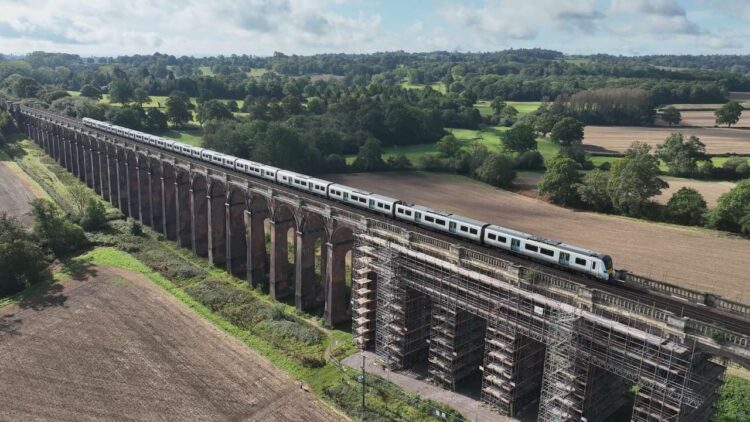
694 258
619 138
116 347
17 190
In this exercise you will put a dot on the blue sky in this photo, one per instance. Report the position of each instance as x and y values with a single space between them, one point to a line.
210 27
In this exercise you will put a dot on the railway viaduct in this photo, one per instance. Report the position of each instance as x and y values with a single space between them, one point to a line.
524 339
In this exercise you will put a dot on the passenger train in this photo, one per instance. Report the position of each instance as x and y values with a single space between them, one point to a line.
549 251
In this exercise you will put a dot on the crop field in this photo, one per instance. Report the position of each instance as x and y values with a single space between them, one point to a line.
655 250
711 190
17 190
619 138
708 119
108 342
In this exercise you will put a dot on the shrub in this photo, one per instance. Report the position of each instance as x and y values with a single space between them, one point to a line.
293 330
560 180
56 231
136 229
216 295
497 170
530 160
21 257
94 215
686 207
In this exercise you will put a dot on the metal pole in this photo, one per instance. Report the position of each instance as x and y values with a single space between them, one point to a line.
363 387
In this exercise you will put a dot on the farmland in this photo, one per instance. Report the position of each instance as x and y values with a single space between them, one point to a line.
17 189
619 138
109 343
656 250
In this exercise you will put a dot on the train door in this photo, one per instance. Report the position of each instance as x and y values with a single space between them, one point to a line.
564 258
417 216
371 204
451 227
346 196
515 245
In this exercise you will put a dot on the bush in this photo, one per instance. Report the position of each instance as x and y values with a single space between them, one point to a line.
732 212
434 163
94 216
497 170
399 162
136 229
54 229
530 160
216 295
686 207
734 400
292 330
21 257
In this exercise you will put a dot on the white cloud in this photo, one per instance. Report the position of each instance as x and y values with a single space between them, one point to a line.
667 8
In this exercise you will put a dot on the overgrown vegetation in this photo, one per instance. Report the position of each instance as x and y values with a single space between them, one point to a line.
734 400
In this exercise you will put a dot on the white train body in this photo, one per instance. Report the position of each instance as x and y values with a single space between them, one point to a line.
549 251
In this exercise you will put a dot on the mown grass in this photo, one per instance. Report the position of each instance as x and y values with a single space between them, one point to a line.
489 136
257 72
292 341
523 107
189 136
437 86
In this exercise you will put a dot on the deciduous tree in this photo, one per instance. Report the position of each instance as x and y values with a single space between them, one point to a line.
635 179
560 180
729 113
671 116
567 132
686 207
496 170
520 138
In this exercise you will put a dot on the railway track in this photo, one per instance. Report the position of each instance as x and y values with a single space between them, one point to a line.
679 307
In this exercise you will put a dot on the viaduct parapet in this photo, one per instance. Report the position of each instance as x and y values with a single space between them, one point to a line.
524 339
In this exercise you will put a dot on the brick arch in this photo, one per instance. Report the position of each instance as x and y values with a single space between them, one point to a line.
199 211
310 261
168 200
217 191
257 214
236 243
183 208
338 294
284 219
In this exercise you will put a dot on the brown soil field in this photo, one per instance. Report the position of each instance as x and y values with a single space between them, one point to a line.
700 259
111 345
739 96
708 119
711 190
619 138
17 190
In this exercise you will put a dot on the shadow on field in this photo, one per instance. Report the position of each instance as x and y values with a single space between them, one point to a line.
8 325
79 269
47 298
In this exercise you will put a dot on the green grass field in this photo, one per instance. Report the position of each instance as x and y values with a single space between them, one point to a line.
523 107
437 86
488 136
189 136
257 72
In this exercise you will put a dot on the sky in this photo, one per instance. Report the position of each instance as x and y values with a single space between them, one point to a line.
261 27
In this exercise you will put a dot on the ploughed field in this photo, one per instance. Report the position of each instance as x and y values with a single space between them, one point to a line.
111 345
695 258
17 190
618 138
706 118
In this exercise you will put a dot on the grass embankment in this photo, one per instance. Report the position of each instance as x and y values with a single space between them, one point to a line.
293 341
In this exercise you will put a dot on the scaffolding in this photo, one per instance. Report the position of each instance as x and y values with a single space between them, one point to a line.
364 300
456 344
565 375
517 323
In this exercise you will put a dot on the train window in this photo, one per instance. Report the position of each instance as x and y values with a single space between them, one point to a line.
531 248
547 252
429 219
439 221
491 236
355 198
408 213
304 183
363 200
593 265
473 231
388 207
580 261
464 229
501 239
